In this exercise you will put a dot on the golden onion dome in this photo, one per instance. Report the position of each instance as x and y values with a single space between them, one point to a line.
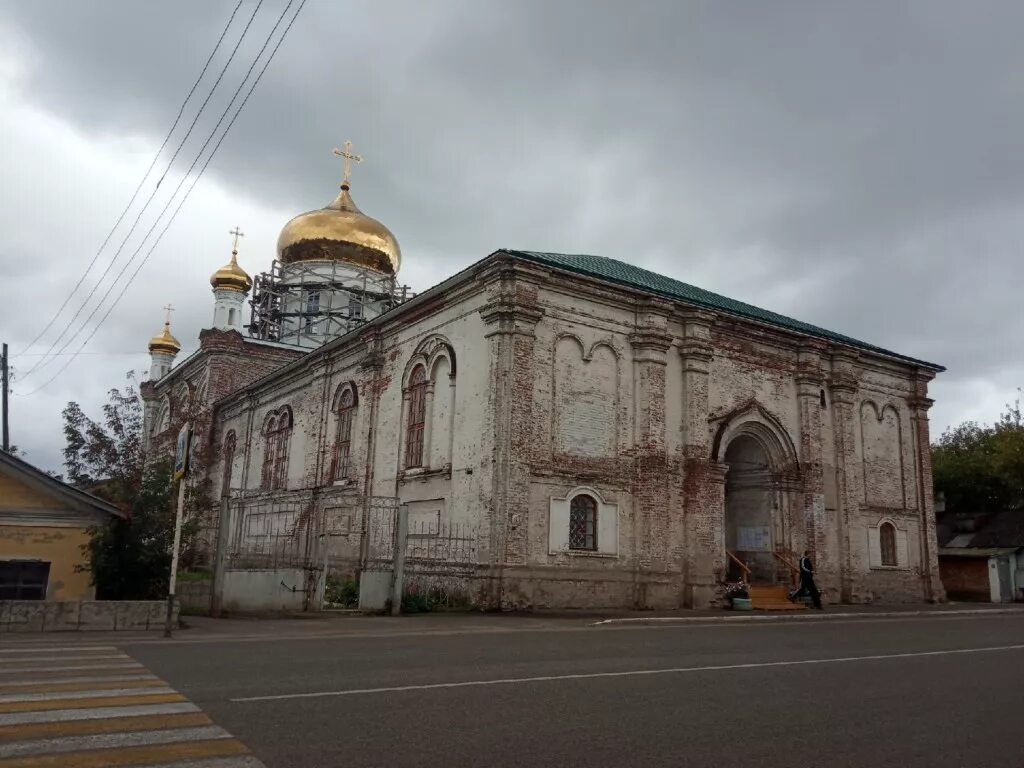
231 277
164 342
340 232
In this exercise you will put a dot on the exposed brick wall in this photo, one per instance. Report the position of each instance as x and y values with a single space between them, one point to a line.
965 578
563 382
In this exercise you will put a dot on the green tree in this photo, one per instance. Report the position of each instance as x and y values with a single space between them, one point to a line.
129 559
106 456
980 468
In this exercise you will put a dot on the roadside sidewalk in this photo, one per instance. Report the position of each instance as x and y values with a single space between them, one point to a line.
201 629
830 613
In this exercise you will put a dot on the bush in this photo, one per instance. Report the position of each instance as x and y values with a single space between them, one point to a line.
342 592
416 599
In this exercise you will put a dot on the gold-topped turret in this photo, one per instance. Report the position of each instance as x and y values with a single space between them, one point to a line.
340 232
164 341
232 277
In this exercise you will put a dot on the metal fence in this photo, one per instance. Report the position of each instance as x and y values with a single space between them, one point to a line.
308 528
339 536
440 561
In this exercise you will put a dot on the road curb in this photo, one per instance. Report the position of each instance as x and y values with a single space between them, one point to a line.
803 616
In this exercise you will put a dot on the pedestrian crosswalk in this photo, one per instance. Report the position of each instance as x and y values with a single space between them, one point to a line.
92 706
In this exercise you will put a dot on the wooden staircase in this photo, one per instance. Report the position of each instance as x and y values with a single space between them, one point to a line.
773 598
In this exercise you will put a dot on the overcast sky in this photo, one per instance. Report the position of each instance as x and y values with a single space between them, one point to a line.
856 165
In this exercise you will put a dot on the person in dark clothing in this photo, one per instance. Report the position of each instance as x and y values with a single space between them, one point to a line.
807 585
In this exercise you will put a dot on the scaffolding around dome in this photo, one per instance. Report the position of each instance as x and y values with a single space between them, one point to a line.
310 303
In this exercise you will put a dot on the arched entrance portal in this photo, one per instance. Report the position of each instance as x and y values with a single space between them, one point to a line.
753 520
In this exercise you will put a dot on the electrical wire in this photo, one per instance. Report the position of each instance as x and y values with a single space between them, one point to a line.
142 182
188 192
43 362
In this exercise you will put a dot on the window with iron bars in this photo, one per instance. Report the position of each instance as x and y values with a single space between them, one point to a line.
583 523
277 434
887 540
417 418
341 463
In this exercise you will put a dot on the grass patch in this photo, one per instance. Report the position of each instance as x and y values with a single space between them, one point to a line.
194 577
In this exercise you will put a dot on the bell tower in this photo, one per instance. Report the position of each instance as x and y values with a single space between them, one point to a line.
231 285
163 348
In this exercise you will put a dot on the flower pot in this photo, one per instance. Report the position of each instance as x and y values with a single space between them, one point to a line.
742 604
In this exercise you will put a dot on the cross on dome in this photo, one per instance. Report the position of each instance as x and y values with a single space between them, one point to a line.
347 156
164 342
237 233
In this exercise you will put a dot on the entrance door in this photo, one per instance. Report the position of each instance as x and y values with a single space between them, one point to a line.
1003 569
750 510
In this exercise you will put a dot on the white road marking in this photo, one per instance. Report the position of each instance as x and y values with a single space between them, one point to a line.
96 694
52 648
96 713
628 673
71 667
112 740
14 661
28 681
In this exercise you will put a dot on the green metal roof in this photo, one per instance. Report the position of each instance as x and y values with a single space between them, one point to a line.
645 280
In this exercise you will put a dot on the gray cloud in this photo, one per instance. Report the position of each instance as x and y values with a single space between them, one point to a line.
859 166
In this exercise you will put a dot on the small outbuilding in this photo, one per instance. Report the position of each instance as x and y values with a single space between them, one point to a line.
44 528
981 557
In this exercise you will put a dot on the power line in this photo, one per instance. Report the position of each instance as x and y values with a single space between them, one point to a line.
188 192
170 200
107 352
152 194
142 181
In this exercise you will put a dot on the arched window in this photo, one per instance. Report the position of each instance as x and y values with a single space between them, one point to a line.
230 444
341 463
887 540
417 417
269 448
163 418
276 436
583 523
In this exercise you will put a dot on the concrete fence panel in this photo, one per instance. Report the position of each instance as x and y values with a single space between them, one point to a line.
83 615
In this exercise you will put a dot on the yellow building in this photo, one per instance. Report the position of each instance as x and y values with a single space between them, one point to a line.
43 526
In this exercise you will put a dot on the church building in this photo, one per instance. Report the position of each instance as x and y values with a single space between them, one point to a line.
610 437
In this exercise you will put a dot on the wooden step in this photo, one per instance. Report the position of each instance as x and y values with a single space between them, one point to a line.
770 597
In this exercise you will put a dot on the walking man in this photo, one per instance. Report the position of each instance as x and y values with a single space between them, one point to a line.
807 585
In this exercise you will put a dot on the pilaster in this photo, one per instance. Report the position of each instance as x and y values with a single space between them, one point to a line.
920 404
809 382
704 491
843 386
650 342
703 479
697 353
511 316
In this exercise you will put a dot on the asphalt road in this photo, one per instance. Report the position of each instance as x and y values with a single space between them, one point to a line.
935 692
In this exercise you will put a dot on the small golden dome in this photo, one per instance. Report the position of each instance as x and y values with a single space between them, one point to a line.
340 232
231 277
164 342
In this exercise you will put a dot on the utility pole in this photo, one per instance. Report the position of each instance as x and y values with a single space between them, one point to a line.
6 378
182 458
173 585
